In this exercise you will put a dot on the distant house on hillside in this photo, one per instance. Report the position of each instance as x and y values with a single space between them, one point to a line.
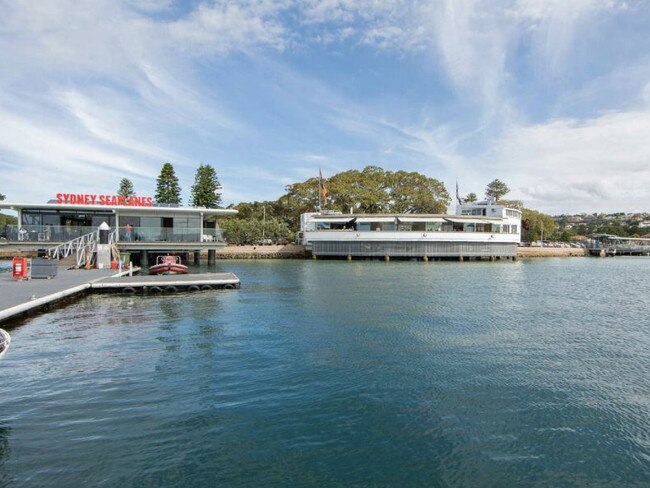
644 224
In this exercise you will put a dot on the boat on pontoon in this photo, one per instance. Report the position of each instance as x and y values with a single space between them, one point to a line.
5 340
168 265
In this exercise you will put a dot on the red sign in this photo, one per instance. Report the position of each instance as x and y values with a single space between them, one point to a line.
112 200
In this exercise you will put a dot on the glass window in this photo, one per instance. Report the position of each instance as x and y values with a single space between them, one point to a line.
31 218
150 222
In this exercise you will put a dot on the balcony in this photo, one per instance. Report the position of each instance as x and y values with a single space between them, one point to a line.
166 234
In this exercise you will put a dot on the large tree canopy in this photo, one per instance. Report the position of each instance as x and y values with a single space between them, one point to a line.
534 222
167 187
205 190
372 190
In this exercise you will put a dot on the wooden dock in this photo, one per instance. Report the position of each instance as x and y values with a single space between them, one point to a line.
21 297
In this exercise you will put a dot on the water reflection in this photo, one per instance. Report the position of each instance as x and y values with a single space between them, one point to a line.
5 432
336 373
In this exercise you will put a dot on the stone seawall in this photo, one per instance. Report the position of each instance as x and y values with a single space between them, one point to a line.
8 252
550 252
289 251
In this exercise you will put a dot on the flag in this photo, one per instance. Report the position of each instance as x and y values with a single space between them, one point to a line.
323 188
460 202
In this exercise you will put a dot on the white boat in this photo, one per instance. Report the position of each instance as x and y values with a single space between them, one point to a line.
5 340
481 229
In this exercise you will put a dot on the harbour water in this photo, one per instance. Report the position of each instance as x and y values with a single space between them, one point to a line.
334 373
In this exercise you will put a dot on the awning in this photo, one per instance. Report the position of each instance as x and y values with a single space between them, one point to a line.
366 220
335 220
421 219
472 221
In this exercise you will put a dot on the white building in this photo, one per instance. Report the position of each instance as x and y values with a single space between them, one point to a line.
481 229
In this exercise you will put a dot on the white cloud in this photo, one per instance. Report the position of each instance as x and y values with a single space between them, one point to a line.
102 88
222 27
579 165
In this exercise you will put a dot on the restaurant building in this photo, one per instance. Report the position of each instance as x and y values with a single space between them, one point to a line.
137 223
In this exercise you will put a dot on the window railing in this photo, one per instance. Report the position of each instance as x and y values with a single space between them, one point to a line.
64 233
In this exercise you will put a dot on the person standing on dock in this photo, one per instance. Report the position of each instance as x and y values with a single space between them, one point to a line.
127 232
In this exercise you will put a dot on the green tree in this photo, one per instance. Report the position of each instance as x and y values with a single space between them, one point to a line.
470 198
371 190
534 222
416 193
167 187
126 188
516 204
240 231
2 197
257 210
205 190
496 189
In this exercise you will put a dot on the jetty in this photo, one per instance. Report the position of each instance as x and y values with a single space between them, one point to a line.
611 245
22 297
168 283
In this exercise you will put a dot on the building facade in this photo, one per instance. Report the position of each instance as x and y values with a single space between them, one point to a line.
483 229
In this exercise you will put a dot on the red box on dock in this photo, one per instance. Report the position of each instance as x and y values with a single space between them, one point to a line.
20 268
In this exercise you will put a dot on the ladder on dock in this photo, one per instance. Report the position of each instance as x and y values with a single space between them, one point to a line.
83 247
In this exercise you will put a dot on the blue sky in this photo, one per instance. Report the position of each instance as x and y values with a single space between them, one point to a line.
550 96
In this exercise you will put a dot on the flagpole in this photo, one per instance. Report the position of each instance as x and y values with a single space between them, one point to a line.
320 186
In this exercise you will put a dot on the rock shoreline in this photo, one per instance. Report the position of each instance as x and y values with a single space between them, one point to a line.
551 252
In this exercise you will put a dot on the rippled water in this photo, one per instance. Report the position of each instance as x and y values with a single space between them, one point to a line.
341 374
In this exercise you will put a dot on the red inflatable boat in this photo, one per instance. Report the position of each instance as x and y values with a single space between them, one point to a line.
168 265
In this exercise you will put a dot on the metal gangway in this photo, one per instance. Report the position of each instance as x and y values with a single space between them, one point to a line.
83 247
611 245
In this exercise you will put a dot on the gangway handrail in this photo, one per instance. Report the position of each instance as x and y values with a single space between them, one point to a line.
84 246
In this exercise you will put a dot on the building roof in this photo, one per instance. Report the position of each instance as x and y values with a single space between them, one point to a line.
122 209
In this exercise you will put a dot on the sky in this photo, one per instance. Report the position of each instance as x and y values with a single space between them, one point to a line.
550 96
